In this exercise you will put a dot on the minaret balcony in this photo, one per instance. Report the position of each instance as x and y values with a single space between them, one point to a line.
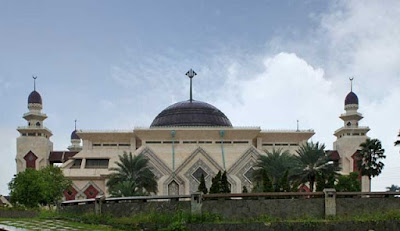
34 116
351 116
352 131
34 130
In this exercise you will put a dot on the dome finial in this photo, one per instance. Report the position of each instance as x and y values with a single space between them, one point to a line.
75 123
34 82
351 83
191 74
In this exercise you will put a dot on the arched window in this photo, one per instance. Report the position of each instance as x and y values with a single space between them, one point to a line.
38 124
348 124
173 188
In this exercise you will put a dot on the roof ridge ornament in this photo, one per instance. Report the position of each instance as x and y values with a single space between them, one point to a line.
351 83
191 73
34 82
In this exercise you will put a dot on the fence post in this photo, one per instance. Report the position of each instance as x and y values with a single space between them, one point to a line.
330 202
98 201
196 202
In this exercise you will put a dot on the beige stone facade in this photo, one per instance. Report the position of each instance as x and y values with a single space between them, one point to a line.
177 154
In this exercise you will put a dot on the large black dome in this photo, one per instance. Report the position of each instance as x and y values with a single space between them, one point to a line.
34 97
194 113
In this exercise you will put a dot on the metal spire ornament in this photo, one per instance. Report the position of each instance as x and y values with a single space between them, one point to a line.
191 74
34 82
351 83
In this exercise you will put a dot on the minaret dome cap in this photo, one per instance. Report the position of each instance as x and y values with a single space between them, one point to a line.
351 98
74 136
34 97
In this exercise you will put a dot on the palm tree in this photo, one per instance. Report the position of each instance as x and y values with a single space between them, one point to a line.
275 165
311 162
393 188
132 176
369 156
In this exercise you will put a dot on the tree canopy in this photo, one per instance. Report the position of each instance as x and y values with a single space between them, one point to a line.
274 169
393 188
220 183
369 158
32 188
132 177
349 183
311 162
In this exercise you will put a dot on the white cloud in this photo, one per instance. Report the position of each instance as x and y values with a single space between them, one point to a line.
286 90
7 153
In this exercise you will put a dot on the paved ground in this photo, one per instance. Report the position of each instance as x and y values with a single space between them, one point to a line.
39 225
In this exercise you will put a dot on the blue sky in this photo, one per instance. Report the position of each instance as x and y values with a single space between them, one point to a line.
116 64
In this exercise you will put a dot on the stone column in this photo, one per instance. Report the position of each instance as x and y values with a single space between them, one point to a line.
196 202
330 202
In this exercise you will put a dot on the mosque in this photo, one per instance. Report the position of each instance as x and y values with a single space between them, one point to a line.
184 141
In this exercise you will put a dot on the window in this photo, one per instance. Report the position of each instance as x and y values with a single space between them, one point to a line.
109 145
77 163
124 145
96 145
97 163
249 174
241 142
190 142
225 142
31 134
153 142
197 174
38 124
267 144
293 144
205 142
348 124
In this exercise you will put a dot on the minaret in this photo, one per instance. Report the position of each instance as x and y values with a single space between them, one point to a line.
33 144
75 141
350 136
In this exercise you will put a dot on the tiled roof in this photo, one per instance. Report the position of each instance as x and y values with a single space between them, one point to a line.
61 156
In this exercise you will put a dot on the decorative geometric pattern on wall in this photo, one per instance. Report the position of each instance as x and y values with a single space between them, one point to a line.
30 159
249 174
197 174
70 193
193 182
91 192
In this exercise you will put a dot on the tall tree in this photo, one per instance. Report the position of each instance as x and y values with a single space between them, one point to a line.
225 187
311 161
369 158
276 165
33 188
216 183
132 171
202 186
